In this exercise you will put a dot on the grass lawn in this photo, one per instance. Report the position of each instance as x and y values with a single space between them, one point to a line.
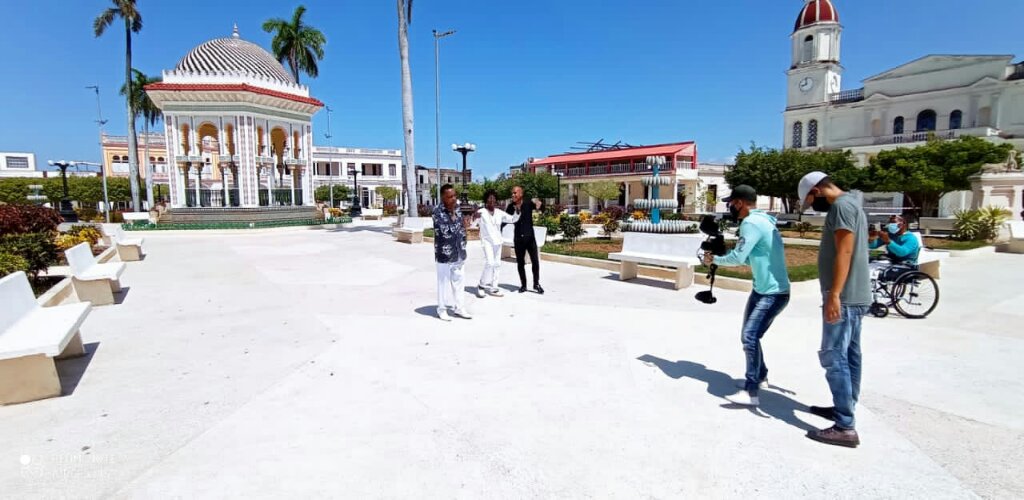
801 260
949 244
429 233
809 235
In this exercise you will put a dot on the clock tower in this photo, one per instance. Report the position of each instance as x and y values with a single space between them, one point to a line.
815 72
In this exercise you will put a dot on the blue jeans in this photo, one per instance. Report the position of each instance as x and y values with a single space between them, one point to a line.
761 311
841 359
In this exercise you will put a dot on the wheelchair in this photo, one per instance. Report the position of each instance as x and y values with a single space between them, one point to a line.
903 287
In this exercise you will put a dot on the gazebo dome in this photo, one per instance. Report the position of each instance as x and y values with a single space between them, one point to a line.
234 56
816 11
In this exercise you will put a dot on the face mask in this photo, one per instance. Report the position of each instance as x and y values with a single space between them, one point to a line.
893 228
821 204
734 213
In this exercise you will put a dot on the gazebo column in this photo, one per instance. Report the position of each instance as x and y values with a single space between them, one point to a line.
224 184
292 170
199 183
182 185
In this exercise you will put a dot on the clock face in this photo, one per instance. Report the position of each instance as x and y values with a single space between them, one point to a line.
806 84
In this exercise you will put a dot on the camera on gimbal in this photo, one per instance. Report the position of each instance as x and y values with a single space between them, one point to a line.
715 243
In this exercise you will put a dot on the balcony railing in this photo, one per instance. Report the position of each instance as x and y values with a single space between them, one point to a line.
1018 72
912 137
846 96
617 169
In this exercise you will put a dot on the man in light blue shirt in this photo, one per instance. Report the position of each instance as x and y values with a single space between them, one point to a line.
759 246
901 247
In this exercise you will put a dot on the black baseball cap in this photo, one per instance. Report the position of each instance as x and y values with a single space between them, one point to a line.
742 192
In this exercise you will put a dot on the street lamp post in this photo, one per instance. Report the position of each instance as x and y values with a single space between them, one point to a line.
465 149
558 181
66 210
437 108
103 171
356 210
330 167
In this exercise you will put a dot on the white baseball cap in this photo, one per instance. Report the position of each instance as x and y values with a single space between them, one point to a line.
807 184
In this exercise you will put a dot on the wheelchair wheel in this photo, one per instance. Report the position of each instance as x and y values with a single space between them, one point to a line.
915 295
879 310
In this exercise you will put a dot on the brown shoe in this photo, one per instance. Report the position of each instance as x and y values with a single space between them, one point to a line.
836 436
825 412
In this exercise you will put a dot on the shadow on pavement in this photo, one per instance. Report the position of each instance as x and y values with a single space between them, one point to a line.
72 370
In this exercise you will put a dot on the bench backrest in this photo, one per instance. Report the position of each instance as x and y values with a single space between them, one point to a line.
1016 229
373 211
417 223
669 245
80 258
16 299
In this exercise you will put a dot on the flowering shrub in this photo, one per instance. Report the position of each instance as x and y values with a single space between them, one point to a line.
19 219
614 212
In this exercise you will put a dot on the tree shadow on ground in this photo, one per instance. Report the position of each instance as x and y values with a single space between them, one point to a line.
720 385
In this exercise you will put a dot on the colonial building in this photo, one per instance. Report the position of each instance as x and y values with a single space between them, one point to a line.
947 96
371 168
18 165
426 177
232 113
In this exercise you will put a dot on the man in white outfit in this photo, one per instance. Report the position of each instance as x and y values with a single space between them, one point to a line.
450 255
490 220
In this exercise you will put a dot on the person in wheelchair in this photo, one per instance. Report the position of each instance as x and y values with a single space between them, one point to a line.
901 249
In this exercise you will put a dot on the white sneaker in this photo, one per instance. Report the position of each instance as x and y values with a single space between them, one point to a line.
743 398
443 315
462 314
742 384
480 292
495 292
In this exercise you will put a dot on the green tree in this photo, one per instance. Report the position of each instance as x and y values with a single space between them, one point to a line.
602 191
388 193
297 44
925 173
571 228
323 193
535 185
475 191
128 11
777 173
146 109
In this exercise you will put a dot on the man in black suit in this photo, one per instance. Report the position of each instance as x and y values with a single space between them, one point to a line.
523 238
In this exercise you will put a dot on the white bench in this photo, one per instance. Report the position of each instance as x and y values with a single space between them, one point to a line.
128 249
93 282
412 229
31 337
508 244
373 213
929 261
677 251
1016 230
136 217
944 224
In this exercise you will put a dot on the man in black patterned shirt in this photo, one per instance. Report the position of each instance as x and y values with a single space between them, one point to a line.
450 255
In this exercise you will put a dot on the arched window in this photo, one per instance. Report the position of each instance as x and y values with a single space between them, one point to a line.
926 121
798 135
812 133
160 159
956 120
116 159
897 125
808 49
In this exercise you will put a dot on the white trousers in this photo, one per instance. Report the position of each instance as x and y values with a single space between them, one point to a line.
492 266
450 282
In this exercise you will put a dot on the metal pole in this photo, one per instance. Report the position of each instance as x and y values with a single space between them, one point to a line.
103 161
330 170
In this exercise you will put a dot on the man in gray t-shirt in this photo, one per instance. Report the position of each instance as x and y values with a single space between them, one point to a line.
846 295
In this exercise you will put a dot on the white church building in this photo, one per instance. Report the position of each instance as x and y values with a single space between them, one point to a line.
946 95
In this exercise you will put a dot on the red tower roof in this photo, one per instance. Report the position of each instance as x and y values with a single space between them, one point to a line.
816 11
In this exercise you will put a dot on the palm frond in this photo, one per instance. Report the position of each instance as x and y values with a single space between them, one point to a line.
103 21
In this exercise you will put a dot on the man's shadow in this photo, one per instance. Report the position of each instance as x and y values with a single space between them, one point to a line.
721 385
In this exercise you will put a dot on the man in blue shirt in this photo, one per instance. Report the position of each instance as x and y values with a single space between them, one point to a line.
901 247
759 246
450 255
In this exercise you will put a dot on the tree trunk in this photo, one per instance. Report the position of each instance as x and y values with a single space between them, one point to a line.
133 140
407 119
147 167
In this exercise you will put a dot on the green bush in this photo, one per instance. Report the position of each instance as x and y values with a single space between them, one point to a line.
551 223
803 228
38 249
979 225
609 226
571 228
11 263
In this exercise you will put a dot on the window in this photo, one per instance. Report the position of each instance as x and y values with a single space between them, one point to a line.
926 120
421 179
897 125
808 49
119 164
956 120
392 170
798 135
812 134
373 169
17 162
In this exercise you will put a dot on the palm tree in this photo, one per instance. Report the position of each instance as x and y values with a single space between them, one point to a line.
299 45
129 12
404 19
150 114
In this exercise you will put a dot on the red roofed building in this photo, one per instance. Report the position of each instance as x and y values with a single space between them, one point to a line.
626 166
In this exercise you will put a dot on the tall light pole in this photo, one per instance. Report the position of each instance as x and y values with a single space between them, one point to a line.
465 149
103 170
330 169
437 109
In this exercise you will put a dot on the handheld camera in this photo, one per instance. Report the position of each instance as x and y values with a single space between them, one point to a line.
715 243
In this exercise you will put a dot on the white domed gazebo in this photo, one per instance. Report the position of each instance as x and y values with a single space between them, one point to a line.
239 128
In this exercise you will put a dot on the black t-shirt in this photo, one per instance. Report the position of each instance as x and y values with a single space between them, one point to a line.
524 226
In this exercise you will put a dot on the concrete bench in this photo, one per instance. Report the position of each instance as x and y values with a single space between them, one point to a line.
678 251
93 282
508 244
136 217
412 229
1016 230
128 249
31 337
373 213
929 261
944 224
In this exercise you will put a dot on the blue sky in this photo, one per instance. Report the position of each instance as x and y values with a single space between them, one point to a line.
524 78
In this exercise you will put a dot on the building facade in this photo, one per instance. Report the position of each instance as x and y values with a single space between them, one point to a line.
945 96
18 165
371 168
426 177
